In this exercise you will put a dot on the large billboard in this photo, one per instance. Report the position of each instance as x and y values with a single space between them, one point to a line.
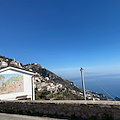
10 83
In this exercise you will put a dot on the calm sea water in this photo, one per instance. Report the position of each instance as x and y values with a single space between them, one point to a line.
109 85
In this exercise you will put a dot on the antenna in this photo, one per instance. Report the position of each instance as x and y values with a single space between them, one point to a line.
83 85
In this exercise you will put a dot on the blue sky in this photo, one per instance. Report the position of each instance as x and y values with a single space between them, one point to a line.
62 35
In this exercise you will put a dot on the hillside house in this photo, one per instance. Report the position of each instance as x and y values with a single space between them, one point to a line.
16 84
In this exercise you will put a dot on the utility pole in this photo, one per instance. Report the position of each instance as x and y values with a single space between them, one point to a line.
83 85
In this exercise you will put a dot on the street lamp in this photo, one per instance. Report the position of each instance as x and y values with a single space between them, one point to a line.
83 85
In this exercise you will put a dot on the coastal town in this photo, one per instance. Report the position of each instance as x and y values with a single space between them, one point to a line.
44 84
47 85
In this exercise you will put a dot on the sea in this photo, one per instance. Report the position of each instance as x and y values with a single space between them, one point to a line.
108 85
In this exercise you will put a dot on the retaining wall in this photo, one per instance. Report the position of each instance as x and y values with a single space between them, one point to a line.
68 109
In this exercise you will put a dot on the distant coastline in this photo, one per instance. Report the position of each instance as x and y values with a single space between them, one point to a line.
110 85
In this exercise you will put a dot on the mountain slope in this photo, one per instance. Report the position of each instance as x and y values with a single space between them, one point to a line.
46 73
68 85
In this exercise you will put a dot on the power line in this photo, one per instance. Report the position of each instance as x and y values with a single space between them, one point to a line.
100 86
104 90
111 91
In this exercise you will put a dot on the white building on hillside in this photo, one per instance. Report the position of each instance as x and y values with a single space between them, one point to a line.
16 84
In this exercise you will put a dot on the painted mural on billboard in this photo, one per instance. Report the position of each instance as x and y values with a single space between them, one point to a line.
10 83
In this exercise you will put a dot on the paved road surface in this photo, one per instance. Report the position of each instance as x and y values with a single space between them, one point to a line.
4 116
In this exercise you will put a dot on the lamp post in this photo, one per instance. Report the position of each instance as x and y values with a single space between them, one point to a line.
83 85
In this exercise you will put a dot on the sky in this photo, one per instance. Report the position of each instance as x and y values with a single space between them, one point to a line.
63 35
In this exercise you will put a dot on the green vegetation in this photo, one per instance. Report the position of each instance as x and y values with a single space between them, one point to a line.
92 118
47 95
42 95
105 117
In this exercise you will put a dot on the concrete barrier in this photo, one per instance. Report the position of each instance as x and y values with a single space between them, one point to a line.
88 110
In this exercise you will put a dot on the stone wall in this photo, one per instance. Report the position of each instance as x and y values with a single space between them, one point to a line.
67 109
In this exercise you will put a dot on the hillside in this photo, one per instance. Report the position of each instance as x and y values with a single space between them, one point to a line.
46 73
55 87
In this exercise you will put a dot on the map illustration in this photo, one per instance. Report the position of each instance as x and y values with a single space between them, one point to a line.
11 83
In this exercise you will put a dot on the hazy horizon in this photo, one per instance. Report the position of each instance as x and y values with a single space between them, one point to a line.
96 81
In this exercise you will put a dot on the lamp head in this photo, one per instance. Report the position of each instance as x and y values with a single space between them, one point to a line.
81 69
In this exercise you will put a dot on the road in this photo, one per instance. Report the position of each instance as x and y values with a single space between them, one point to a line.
4 116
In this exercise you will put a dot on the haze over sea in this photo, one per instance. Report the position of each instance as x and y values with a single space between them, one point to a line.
96 79
104 84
